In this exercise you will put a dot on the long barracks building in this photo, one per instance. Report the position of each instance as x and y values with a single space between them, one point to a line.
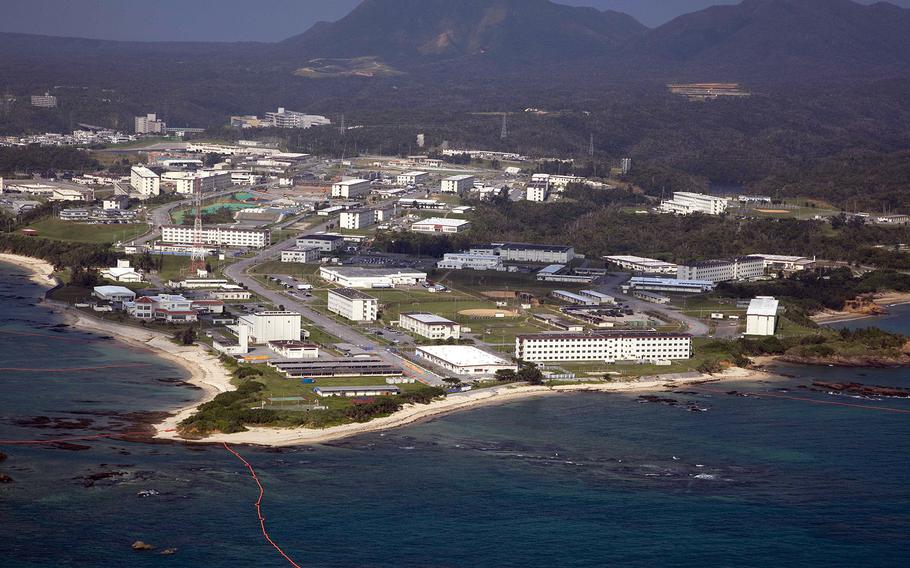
606 346
219 236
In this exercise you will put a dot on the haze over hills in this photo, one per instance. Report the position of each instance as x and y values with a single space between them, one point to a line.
790 38
402 30
757 40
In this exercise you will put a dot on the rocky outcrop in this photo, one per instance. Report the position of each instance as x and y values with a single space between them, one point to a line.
139 545
872 361
862 390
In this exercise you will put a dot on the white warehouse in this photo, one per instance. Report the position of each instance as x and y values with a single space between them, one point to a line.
761 318
464 360
264 327
353 304
357 277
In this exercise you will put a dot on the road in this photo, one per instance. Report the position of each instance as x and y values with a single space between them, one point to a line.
238 273
611 285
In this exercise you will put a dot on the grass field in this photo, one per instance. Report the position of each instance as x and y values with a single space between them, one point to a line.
52 228
477 281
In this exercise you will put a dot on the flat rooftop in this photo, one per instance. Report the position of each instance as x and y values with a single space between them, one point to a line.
351 294
364 272
431 319
442 222
462 355
763 306
321 237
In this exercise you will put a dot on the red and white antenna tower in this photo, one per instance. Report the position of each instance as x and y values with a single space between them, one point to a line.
197 255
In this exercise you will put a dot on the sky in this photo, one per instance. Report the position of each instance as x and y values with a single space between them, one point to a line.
243 20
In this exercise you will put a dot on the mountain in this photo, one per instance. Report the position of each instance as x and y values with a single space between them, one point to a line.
414 31
787 39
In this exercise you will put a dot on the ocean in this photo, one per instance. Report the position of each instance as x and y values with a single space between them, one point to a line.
580 480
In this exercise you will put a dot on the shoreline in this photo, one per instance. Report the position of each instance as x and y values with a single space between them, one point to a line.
205 370
207 373
415 413
883 300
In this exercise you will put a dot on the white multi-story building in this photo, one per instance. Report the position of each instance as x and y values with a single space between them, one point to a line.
384 214
145 182
354 219
457 184
412 178
187 182
300 255
642 265
743 268
264 327
470 261
523 252
150 124
353 304
430 326
284 118
350 188
357 277
441 225
536 192
46 100
325 243
761 317
464 360
219 236
608 347
686 203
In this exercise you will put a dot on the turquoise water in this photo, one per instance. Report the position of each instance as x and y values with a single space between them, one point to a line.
575 480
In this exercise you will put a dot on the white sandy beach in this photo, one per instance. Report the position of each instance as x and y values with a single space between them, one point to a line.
454 403
207 372
40 271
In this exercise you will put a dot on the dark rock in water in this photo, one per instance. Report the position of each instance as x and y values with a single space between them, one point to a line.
862 390
139 545
89 480
4 479
2 456
70 446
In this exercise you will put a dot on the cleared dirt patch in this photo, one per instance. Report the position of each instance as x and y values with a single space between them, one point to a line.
489 313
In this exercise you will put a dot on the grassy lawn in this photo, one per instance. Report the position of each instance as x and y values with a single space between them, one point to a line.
277 385
476 281
177 267
53 228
